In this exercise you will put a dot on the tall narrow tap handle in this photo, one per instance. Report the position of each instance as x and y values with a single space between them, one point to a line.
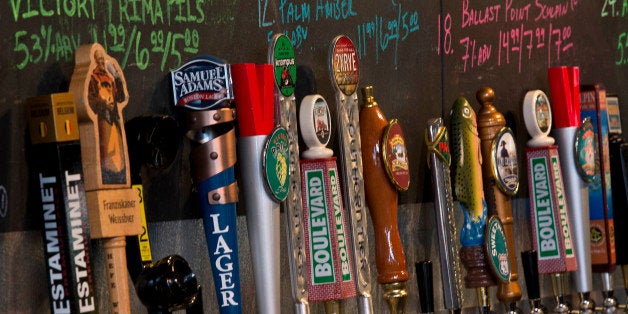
531 274
425 283
381 197
439 159
501 179
345 81
99 88
212 161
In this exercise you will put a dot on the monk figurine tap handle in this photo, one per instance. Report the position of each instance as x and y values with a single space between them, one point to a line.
381 197
100 93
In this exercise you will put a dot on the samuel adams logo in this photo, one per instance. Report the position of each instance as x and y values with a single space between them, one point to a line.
202 83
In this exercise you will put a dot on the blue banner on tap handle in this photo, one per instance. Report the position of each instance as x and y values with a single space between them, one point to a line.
219 221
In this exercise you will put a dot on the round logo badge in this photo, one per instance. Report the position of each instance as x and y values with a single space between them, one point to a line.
322 121
542 111
505 164
596 234
497 249
344 65
276 163
396 156
285 67
586 151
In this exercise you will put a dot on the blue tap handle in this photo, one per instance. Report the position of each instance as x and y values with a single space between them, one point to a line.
219 221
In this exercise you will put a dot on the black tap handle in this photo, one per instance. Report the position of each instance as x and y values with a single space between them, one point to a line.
531 273
426 286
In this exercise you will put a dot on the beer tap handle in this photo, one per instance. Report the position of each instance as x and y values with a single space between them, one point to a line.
381 197
424 279
531 274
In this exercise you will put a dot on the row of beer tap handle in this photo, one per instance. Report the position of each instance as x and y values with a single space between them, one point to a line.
473 162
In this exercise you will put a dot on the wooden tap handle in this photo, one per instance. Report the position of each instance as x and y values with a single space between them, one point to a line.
381 198
490 123
117 276
100 92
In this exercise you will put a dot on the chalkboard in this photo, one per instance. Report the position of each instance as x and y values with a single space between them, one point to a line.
419 56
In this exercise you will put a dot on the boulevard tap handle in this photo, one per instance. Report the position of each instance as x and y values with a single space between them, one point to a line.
330 275
381 197
551 229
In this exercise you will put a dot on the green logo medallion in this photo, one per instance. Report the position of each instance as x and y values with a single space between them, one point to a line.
497 249
276 163
285 67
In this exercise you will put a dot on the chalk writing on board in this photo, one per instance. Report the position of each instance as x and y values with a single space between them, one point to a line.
379 34
622 49
123 33
611 8
617 9
295 17
490 35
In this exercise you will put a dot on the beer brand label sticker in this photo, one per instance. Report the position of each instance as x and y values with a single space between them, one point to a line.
505 164
339 219
344 65
562 207
612 110
586 151
497 249
396 156
276 163
321 119
542 112
321 255
285 67
142 238
543 204
201 84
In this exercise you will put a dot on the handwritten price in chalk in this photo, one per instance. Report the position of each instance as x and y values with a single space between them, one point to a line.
44 45
158 43
622 49
136 47
514 45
